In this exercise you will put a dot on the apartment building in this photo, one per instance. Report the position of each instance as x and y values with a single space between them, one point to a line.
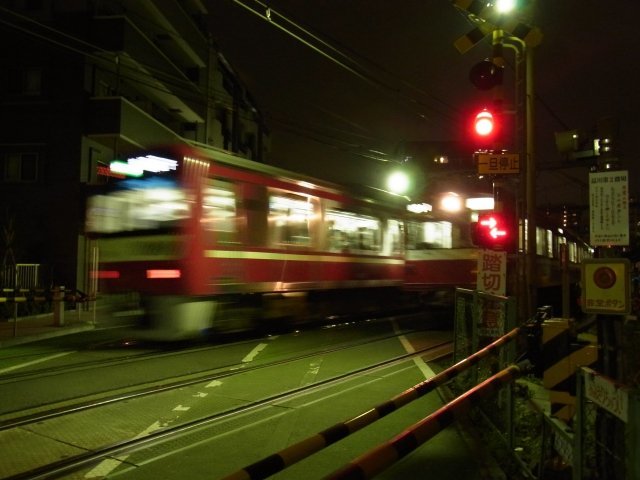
85 81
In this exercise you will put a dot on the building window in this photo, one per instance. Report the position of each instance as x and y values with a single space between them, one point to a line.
25 81
32 81
19 168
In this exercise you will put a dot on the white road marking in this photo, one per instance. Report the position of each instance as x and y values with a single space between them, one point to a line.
105 467
180 408
253 353
421 364
200 395
215 383
258 422
33 362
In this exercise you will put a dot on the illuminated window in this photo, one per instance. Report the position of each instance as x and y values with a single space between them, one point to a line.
549 243
541 241
289 219
423 235
394 238
152 203
219 210
352 231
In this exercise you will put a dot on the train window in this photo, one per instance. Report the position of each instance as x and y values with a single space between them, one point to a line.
430 235
558 248
219 210
289 219
573 252
150 203
549 243
351 231
393 242
541 241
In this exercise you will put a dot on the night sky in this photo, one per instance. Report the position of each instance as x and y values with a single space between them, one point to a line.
390 76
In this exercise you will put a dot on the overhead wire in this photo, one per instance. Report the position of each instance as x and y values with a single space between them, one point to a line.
341 51
88 50
345 61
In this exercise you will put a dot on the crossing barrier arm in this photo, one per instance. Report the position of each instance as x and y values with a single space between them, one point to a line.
277 462
383 456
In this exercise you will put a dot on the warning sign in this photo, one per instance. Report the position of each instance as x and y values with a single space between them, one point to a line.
605 286
492 272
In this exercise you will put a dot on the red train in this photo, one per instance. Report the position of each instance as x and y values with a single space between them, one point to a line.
192 240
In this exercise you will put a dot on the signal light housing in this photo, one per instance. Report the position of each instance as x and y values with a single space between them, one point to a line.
495 231
486 75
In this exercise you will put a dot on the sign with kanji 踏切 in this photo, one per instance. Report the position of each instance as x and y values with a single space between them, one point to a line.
492 272
609 208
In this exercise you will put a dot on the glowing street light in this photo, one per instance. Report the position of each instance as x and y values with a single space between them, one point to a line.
398 182
451 202
505 6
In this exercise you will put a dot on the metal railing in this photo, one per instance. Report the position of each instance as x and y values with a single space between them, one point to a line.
21 275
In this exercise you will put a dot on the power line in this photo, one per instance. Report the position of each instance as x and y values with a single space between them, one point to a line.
345 61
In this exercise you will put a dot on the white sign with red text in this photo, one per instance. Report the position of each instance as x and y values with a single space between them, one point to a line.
492 272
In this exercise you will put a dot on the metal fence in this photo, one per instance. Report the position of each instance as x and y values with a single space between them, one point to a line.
481 318
21 276
601 440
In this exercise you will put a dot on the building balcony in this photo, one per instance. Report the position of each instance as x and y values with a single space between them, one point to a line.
138 60
115 121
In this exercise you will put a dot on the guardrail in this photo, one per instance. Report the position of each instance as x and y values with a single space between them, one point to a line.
21 275
54 301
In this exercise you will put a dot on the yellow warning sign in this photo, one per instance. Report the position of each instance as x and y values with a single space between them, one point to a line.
605 286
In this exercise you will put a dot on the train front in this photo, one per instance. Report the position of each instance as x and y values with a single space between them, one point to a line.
142 222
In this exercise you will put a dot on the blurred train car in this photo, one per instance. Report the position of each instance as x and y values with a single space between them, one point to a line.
441 256
193 240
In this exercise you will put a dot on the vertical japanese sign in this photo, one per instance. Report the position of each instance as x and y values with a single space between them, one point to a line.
609 208
492 272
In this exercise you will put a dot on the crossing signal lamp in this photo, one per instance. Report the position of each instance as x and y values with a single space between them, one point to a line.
486 75
484 124
494 231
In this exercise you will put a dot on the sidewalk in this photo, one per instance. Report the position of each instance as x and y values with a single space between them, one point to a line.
39 327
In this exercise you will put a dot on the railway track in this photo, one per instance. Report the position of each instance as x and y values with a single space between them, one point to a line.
89 452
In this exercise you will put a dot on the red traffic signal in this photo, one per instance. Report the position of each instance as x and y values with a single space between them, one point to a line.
494 231
484 124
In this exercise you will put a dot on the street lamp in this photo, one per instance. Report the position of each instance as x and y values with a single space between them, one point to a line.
505 6
398 182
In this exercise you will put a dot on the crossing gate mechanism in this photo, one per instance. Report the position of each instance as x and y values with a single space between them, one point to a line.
562 353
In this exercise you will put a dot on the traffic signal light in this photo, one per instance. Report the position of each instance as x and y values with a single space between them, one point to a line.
495 231
484 124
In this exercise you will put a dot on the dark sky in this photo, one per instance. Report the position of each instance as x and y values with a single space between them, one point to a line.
402 80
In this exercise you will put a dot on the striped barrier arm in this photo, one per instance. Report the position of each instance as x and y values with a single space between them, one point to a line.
277 462
562 355
378 459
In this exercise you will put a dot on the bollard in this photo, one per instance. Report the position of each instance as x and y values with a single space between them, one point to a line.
58 306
